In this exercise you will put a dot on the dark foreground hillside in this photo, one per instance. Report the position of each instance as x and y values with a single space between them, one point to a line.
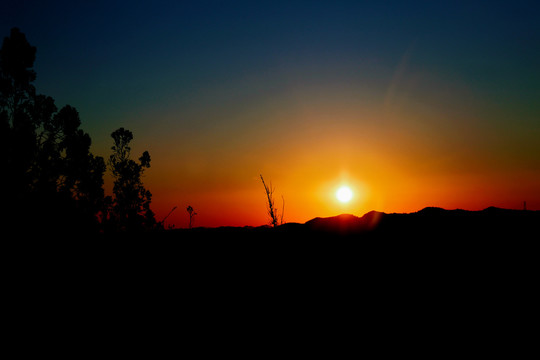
448 273
432 235
434 243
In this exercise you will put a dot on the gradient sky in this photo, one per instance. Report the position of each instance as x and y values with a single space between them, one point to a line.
410 103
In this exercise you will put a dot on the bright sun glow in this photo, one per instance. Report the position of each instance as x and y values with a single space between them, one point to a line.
344 194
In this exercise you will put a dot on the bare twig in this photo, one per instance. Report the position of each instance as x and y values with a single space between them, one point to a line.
170 212
272 211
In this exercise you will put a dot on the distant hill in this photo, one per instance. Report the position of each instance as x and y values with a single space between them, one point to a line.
430 222
434 222
346 223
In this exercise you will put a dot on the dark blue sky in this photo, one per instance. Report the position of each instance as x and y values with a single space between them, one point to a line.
438 77
124 52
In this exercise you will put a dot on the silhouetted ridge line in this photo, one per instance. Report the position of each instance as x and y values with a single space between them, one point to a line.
431 223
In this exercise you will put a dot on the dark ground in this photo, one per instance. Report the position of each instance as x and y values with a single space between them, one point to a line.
445 241
446 279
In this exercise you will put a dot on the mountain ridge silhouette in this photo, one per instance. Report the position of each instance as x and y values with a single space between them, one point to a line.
429 222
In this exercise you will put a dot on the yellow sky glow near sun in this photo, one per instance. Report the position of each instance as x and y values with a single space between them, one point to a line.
397 155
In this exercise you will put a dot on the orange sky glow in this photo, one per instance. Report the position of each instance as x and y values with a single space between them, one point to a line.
396 157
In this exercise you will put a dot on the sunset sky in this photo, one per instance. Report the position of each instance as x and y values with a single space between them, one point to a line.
408 103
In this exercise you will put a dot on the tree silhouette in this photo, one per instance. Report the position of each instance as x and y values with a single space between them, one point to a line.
16 92
51 176
17 59
131 201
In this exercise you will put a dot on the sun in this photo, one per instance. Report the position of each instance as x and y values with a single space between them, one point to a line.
344 194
